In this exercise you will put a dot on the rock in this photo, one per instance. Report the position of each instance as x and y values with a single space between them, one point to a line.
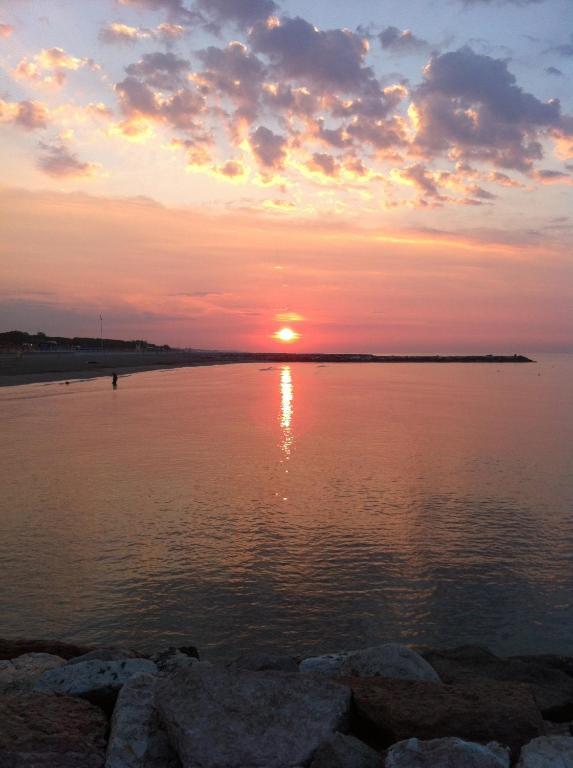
446 753
10 649
105 654
552 685
220 717
265 662
171 659
385 711
389 660
342 751
40 731
19 675
97 681
137 738
547 752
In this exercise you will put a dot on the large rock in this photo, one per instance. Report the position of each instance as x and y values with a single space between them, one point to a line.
137 738
446 753
39 731
97 681
9 649
105 654
222 718
19 675
547 752
549 677
388 660
385 711
342 751
265 662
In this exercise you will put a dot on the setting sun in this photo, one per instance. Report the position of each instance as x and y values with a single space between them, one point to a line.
286 335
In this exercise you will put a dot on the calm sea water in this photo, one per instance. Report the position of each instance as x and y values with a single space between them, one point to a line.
299 507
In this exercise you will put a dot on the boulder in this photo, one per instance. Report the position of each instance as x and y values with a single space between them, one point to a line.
97 681
385 711
446 753
549 676
9 649
172 659
341 751
219 718
19 675
547 752
40 731
137 738
265 662
105 654
388 660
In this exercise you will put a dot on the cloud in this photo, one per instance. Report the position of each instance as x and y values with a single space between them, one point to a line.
232 169
116 32
59 162
547 176
165 71
269 148
324 164
235 72
6 30
553 71
565 49
30 115
243 13
49 67
396 41
331 59
470 103
175 9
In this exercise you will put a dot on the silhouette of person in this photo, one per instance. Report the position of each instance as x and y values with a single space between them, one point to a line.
114 380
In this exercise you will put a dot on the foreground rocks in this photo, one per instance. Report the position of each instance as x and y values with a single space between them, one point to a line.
21 674
550 678
10 649
138 738
97 681
386 711
389 660
38 730
446 753
548 752
221 717
380 707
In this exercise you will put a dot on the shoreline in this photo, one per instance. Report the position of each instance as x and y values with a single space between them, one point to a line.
38 368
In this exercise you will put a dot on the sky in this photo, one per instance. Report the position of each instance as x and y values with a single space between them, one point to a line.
378 176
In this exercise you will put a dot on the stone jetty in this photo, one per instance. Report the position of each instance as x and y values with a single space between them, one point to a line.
387 706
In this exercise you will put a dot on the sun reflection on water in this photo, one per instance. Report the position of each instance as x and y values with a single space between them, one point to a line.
287 410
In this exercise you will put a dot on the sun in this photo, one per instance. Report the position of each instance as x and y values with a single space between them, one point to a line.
286 335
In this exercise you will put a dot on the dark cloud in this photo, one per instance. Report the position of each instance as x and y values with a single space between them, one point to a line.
235 72
282 97
30 115
396 41
160 70
59 162
331 59
471 102
323 163
269 148
419 175
243 13
381 134
565 50
553 71
175 9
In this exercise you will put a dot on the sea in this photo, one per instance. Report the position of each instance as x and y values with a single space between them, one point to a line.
296 508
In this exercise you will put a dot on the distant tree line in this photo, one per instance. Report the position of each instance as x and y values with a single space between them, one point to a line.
40 340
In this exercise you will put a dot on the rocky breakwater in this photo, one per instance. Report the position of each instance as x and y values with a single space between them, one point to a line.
387 706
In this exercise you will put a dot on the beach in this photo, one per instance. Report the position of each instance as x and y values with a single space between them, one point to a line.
38 367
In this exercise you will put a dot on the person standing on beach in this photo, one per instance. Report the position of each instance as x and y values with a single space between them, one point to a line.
114 380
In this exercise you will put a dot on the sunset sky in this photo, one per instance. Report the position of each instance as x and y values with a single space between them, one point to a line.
378 175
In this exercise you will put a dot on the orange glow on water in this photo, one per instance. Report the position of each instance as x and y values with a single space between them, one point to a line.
286 335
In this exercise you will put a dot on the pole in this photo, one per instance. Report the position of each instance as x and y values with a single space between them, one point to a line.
101 331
